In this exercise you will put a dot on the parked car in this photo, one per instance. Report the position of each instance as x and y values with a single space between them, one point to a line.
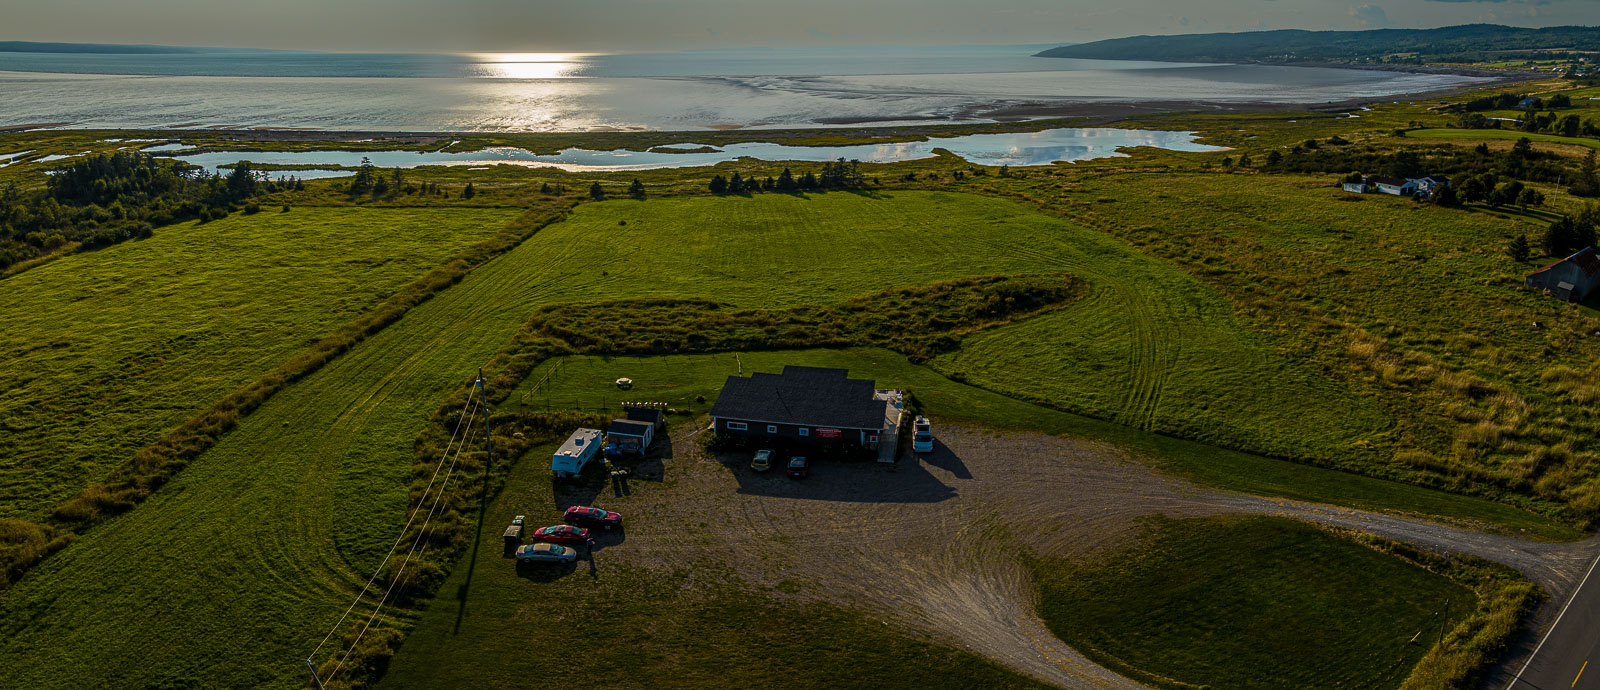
560 534
762 461
922 436
799 468
586 516
544 552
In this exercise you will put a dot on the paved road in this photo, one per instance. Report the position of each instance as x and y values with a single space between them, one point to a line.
1569 654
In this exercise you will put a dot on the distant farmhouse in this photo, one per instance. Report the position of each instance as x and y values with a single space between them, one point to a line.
802 405
1422 187
1569 279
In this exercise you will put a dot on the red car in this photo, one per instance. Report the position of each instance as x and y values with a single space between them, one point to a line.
593 517
560 534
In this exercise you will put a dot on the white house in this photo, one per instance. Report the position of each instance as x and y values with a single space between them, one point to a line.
1356 187
1427 185
1395 186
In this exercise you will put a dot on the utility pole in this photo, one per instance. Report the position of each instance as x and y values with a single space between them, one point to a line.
314 677
1444 622
488 440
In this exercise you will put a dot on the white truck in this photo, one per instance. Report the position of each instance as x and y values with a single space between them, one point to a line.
922 436
579 449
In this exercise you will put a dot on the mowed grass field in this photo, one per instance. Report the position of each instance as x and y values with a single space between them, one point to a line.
1414 306
106 350
262 540
1187 607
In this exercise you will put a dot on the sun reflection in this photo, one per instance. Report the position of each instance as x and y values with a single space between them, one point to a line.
530 65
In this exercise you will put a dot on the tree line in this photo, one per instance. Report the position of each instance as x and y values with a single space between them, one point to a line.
104 199
840 174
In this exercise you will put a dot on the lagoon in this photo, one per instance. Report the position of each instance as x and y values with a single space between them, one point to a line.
1014 149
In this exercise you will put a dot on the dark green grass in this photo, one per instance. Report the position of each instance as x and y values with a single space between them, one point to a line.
589 383
106 350
1257 602
662 627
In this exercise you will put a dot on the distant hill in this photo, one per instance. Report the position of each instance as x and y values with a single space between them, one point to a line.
1468 43
36 47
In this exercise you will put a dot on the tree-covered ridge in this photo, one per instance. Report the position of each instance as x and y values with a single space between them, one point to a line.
1467 43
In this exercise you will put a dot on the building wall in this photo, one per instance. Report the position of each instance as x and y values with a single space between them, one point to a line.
787 433
1564 272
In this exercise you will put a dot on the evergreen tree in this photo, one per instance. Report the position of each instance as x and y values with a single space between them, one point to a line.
1586 183
545 189
736 184
1446 197
469 192
809 181
718 185
364 177
786 181
596 192
1519 250
1530 197
636 190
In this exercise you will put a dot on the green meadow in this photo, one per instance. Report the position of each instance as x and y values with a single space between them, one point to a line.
345 433
1187 608
106 350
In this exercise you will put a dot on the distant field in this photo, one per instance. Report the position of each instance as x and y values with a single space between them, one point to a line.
1183 610
345 433
106 350
1501 134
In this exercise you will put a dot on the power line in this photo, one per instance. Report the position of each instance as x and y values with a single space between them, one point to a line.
461 418
421 534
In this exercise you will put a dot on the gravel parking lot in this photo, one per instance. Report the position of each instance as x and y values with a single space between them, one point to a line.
934 542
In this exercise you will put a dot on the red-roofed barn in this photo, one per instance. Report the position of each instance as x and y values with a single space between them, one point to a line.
1569 279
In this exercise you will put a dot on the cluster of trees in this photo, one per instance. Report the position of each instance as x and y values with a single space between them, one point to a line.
1521 162
370 181
840 174
1566 235
104 199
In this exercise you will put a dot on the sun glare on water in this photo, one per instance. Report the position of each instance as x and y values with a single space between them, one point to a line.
530 65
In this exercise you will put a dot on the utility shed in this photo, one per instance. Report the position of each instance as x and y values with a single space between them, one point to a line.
649 415
1569 279
629 436
803 404
578 450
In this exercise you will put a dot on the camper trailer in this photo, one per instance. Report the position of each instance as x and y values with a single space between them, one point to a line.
579 449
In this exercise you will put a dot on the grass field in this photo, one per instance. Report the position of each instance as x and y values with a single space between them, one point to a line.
1185 608
1415 307
1501 135
108 349
256 558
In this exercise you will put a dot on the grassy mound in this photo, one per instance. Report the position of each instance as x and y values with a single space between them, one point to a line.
1254 602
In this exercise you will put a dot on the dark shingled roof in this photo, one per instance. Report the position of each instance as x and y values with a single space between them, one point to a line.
626 428
645 414
805 396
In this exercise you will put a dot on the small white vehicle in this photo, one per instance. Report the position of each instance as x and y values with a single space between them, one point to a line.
922 436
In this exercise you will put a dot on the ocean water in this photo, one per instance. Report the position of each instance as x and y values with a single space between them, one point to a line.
583 92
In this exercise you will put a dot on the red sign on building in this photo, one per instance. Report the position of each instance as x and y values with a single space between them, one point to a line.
828 433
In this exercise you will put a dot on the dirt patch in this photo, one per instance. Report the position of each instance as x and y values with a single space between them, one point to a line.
934 543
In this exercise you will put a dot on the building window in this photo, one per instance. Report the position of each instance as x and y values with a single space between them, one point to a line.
737 426
772 428
804 431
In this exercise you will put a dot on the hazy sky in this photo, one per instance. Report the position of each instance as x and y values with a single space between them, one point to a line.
652 25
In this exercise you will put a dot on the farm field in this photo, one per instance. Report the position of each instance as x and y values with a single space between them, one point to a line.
1180 609
346 432
106 350
1416 305
1501 134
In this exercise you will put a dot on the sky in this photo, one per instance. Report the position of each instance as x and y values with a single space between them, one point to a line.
669 25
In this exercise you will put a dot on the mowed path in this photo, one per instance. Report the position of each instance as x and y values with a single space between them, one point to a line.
229 575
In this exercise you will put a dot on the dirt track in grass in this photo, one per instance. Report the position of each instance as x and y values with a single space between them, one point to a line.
933 543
